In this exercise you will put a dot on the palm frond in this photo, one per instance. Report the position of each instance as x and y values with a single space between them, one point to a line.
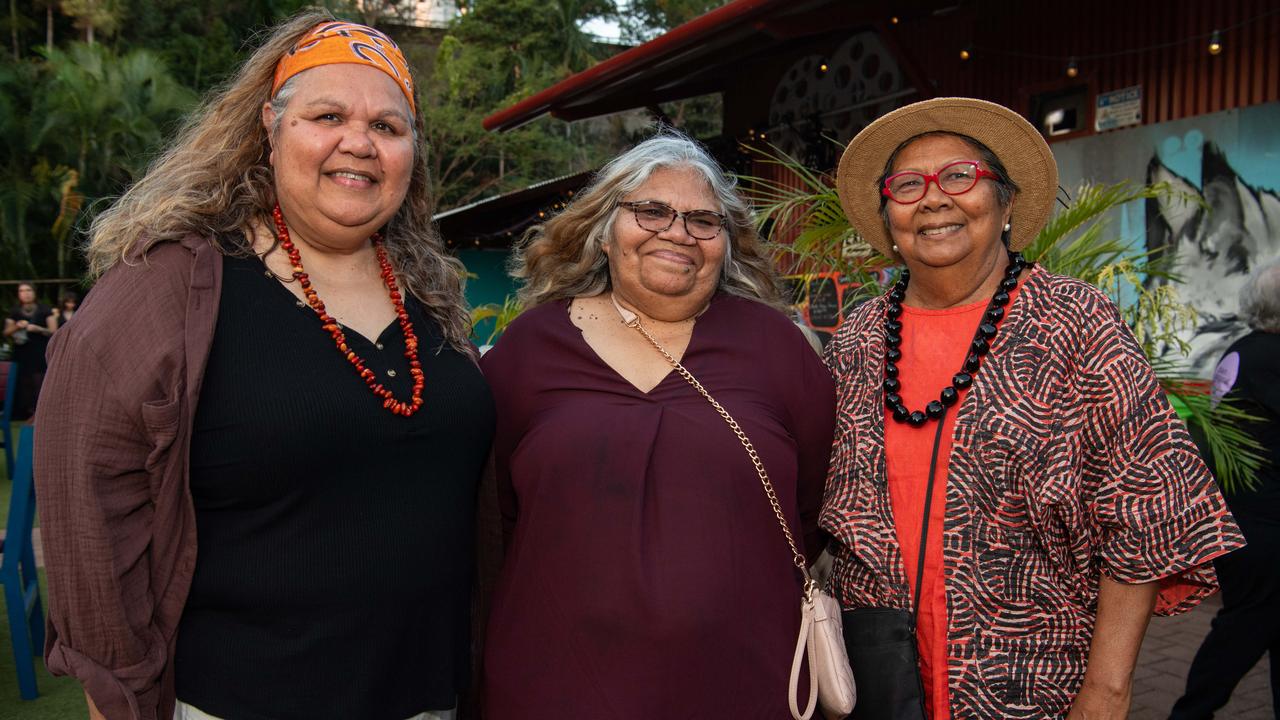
807 208
502 315
1235 455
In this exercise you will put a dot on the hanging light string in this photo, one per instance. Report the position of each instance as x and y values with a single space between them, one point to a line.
1220 32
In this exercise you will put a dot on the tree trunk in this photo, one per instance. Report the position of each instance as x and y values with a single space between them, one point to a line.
48 25
88 34
62 256
13 29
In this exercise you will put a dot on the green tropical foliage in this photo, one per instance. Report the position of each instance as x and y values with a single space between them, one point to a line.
18 189
1078 241
107 112
646 19
501 315
811 216
82 120
498 53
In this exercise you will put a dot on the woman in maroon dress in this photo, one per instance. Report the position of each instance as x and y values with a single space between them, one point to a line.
646 575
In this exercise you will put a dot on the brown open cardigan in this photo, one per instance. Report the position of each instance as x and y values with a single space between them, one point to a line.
112 444
112 447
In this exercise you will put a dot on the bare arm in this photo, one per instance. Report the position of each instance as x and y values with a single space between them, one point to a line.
93 709
1123 614
10 327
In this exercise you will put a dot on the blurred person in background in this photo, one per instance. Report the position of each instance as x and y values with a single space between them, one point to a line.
28 327
1248 625
66 309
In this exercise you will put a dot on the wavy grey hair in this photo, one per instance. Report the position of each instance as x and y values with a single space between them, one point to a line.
565 258
1260 298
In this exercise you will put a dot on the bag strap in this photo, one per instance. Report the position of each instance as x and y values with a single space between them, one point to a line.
924 526
632 320
807 607
804 643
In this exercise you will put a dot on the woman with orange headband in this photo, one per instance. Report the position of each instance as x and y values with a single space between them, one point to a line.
264 506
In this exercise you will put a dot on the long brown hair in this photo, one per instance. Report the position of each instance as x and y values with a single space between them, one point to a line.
214 179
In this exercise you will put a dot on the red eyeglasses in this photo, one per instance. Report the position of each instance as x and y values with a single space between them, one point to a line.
955 178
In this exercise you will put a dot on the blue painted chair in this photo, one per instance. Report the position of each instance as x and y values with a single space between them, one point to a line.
18 571
8 389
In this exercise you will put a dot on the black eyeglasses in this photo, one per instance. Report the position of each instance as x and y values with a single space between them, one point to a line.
657 217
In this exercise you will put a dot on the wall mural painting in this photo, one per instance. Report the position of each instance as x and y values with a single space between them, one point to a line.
1230 163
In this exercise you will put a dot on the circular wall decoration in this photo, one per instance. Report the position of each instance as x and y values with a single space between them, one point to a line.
857 86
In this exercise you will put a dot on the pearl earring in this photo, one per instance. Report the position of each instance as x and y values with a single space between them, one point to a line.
895 248
1007 226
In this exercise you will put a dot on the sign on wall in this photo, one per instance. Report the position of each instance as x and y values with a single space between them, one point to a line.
1119 108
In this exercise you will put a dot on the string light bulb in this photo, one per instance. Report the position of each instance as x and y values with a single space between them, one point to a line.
1215 43
894 20
1072 69
823 67
965 54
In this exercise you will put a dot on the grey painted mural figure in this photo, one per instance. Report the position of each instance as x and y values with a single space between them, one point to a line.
1215 245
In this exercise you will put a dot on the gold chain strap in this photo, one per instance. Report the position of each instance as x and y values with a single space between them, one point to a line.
797 556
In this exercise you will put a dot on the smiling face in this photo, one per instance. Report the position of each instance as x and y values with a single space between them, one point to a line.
661 270
343 153
941 230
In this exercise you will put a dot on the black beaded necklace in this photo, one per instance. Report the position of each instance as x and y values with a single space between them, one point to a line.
982 341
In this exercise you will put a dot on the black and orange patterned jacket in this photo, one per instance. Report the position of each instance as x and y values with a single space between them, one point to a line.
1067 463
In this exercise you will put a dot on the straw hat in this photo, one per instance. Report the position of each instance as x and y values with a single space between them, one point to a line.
1018 145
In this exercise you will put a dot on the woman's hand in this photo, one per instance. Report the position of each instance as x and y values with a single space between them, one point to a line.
1096 702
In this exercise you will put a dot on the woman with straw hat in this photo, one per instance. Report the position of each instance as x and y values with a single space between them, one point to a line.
1011 493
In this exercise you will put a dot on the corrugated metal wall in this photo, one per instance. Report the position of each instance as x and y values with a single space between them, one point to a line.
1020 48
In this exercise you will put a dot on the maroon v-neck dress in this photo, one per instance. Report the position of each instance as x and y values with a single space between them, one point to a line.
645 575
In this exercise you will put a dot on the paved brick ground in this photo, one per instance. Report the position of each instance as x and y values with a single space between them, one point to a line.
1166 656
1161 674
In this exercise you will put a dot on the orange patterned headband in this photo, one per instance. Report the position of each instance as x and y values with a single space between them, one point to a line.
335 42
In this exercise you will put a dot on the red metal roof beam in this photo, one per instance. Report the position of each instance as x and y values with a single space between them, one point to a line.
634 60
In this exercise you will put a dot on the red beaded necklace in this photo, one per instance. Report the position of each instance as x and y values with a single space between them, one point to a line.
335 330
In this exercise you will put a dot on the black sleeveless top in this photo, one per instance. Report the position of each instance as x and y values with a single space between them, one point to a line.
335 539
